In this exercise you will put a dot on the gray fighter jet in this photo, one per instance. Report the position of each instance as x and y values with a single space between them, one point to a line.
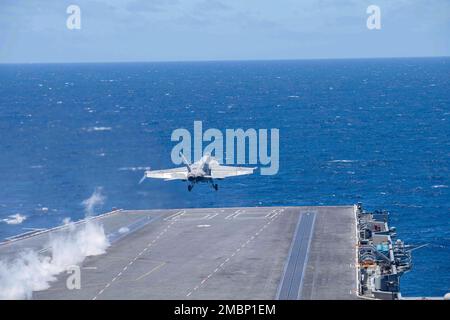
207 169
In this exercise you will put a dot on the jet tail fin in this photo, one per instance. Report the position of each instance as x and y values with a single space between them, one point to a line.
185 162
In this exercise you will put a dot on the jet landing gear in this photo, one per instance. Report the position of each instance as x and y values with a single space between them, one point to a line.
214 185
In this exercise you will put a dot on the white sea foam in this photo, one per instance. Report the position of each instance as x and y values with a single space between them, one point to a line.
14 219
36 167
134 168
343 161
94 129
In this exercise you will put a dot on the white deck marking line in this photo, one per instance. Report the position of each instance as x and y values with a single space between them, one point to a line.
179 213
233 254
175 215
152 270
275 213
213 215
232 214
271 214
241 211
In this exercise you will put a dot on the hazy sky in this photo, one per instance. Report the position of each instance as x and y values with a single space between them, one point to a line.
160 30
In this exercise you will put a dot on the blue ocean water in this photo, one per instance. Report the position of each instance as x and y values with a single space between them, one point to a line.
375 131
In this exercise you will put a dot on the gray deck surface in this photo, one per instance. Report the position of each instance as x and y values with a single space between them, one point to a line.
217 253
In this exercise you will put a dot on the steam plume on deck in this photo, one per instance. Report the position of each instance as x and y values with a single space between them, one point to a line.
32 271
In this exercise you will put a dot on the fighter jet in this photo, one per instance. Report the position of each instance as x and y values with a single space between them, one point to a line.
207 170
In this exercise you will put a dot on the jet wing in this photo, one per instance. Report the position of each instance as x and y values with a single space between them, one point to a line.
221 172
169 174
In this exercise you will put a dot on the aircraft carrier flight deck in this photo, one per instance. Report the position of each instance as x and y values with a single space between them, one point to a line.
218 253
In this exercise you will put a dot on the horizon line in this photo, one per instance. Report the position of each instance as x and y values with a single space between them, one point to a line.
226 60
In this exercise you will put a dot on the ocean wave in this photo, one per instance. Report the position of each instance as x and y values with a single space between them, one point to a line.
36 167
343 161
134 168
14 219
93 129
439 186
